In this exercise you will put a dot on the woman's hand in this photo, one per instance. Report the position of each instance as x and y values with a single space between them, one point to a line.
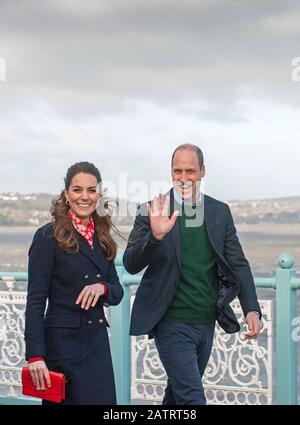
39 374
90 294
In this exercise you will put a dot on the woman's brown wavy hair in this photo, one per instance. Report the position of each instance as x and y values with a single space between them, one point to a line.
64 231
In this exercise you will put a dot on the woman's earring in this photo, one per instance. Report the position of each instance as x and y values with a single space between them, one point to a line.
68 203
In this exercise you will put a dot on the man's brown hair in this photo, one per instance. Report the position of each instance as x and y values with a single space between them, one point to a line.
194 148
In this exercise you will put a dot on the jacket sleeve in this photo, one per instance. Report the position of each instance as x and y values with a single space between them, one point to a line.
142 245
40 269
115 290
235 257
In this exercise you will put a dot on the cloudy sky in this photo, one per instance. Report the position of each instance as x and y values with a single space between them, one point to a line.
122 82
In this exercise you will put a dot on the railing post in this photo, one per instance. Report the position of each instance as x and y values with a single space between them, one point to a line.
120 340
10 282
286 347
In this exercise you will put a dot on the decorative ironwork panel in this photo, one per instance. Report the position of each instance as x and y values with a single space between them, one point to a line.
239 371
12 346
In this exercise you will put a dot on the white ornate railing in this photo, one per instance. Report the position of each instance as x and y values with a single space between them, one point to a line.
239 371
12 346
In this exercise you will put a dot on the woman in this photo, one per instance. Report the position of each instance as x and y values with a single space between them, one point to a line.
71 265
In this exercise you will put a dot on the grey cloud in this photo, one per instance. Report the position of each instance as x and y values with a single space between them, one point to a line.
80 72
163 51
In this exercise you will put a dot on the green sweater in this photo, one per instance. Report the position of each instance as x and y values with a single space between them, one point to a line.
195 300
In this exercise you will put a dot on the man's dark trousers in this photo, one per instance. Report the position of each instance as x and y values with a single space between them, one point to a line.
184 351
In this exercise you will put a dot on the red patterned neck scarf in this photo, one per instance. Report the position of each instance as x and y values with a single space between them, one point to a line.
87 231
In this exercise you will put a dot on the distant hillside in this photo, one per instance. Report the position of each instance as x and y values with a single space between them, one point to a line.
279 210
33 210
24 210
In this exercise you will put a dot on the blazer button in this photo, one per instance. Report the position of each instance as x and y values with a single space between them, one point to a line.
98 276
90 322
100 320
86 276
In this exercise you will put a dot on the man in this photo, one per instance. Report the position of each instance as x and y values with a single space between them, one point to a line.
195 268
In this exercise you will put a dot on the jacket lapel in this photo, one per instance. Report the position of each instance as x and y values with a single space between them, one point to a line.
87 250
102 262
175 231
209 219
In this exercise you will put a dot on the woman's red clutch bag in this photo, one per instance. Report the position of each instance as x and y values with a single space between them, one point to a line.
55 393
